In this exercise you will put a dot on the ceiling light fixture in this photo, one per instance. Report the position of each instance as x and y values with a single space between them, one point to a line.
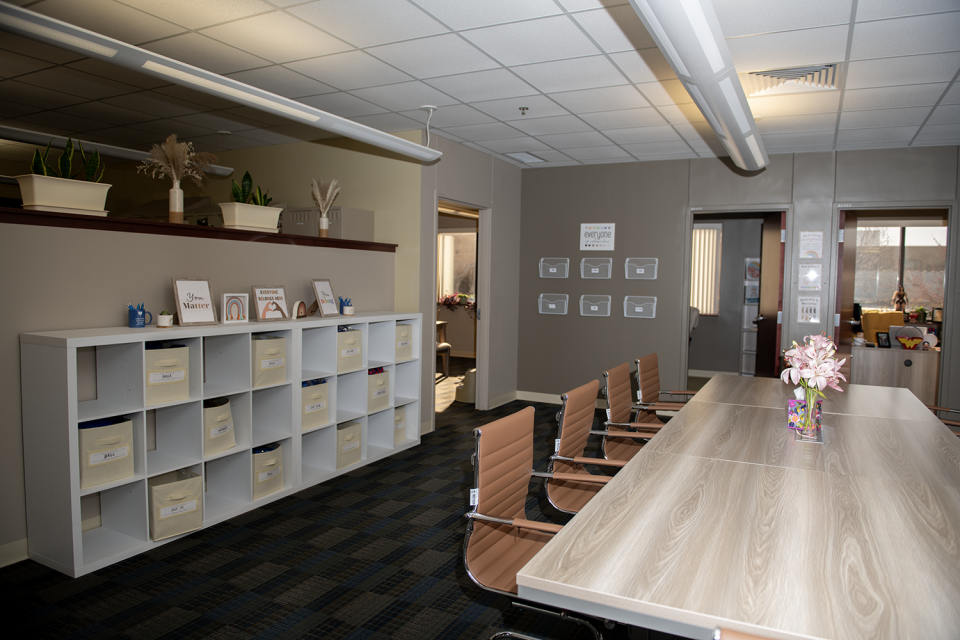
689 36
39 27
526 158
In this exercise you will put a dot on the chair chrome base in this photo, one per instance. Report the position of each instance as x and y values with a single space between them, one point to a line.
562 615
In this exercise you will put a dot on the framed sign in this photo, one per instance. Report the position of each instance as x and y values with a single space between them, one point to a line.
194 301
326 301
236 308
269 303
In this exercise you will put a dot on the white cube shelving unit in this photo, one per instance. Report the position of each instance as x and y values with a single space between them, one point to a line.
220 366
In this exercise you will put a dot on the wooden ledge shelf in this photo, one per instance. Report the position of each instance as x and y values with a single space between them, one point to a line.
97 223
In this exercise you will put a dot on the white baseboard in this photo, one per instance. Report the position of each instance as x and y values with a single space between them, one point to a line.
504 399
426 427
703 373
13 552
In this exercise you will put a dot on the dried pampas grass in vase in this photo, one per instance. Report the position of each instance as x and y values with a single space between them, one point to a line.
176 160
323 195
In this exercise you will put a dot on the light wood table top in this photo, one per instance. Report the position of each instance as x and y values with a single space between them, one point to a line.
724 519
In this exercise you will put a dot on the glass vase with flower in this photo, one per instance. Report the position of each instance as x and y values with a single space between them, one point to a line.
813 366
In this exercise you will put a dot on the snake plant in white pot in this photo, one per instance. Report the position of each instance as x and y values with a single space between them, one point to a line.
249 210
61 189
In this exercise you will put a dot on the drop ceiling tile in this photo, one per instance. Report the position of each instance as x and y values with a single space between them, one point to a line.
109 18
303 132
787 140
195 14
512 145
469 15
220 121
481 132
798 124
13 64
878 9
365 23
795 105
76 82
343 105
945 114
689 155
659 148
890 134
552 156
884 118
555 124
206 53
570 75
696 133
603 99
547 165
249 114
705 148
29 126
456 115
953 95
34 49
918 95
871 145
937 142
667 92
31 95
442 55
61 120
107 113
682 113
154 103
575 140
483 85
270 136
204 101
163 128
788 49
582 5
539 40
229 142
388 122
447 136
13 110
748 17
282 81
405 96
117 73
509 109
278 37
645 65
627 118
934 67
937 131
616 29
597 153
125 137
663 133
906 36
351 70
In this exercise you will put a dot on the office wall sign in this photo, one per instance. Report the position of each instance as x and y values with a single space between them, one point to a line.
597 236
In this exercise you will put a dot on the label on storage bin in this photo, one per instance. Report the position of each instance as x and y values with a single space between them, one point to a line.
402 343
159 377
178 509
316 406
109 456
266 475
271 363
346 353
380 392
398 425
223 429
350 447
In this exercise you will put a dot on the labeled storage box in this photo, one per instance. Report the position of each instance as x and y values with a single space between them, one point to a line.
640 307
167 372
218 432
378 389
554 303
315 396
404 342
269 360
348 444
554 267
267 470
399 424
176 503
595 305
641 268
106 451
596 268
349 350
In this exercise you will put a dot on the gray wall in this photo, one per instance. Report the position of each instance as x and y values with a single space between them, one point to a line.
716 340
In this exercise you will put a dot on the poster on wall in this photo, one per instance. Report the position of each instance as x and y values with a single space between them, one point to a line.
597 237
811 244
811 273
751 293
808 309
751 269
194 301
269 303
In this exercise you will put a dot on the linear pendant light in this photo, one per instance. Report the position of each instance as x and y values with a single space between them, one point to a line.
67 36
689 36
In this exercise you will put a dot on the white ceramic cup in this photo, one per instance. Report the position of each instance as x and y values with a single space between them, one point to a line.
348 311
164 321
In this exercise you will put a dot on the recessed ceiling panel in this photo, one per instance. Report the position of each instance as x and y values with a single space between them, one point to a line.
351 70
206 53
481 132
219 122
160 129
582 5
555 124
750 17
513 108
532 41
662 133
783 141
509 145
109 18
603 99
952 96
597 153
343 105
884 118
570 75
798 124
616 29
468 15
665 92
906 36
366 23
197 14
624 119
483 85
436 56
645 65
682 113
278 37
934 67
404 96
796 104
917 95
282 81
789 49
574 140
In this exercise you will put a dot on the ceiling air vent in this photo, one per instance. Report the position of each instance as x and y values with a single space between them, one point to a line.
821 77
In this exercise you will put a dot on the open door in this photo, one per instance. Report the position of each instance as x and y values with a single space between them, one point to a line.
768 322
846 279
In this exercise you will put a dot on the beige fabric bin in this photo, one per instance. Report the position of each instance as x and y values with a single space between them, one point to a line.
316 408
349 350
348 444
404 342
176 503
399 424
218 429
167 372
269 361
378 391
267 472
106 453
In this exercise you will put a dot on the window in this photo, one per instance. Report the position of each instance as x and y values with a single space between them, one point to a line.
887 256
457 264
705 268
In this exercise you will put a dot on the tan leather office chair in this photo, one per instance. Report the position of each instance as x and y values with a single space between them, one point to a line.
500 539
626 432
648 387
443 349
575 422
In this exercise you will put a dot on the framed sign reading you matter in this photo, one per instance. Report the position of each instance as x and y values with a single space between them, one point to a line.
194 301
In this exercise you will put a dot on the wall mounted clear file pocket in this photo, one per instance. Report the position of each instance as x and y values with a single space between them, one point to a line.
641 268
595 305
554 267
596 268
554 303
640 307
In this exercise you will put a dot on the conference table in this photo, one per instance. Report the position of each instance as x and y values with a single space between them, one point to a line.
725 519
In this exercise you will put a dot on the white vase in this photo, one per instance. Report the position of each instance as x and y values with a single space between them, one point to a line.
324 227
47 193
176 203
250 217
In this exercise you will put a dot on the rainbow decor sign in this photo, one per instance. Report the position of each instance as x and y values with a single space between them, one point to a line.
597 237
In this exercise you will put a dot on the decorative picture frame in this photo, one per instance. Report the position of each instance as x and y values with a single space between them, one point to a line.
235 308
269 303
883 339
194 302
326 301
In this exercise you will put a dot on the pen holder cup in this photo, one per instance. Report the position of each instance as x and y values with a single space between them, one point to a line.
136 319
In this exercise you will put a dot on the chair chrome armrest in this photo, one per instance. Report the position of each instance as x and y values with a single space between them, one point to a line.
572 477
544 527
602 462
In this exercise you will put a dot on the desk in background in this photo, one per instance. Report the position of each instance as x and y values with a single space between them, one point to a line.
913 369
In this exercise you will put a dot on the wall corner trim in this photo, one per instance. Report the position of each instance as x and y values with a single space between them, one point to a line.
13 552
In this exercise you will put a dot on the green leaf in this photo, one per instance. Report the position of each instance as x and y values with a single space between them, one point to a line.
247 183
103 167
235 191
37 166
66 159
91 166
260 198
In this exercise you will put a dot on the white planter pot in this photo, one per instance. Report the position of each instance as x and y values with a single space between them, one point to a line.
46 193
250 217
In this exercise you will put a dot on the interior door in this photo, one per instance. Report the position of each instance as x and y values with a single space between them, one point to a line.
846 277
771 295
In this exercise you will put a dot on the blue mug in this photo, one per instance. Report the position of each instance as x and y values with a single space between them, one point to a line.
136 318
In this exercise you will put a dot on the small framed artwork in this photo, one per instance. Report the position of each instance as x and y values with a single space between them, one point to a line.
883 340
236 308
751 269
194 301
326 301
269 303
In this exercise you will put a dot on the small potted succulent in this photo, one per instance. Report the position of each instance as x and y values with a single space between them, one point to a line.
165 320
59 188
249 208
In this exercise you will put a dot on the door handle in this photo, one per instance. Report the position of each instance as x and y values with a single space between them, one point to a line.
758 320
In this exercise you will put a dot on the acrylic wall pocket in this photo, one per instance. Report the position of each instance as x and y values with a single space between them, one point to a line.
137 316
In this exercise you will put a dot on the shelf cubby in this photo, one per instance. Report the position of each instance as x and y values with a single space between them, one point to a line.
123 525
319 359
405 385
414 337
379 440
411 425
241 414
382 344
226 364
289 473
179 438
272 414
228 486
119 382
331 403
319 455
290 374
351 396
139 455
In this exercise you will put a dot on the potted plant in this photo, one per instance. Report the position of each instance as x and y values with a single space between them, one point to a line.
176 160
324 195
53 188
249 208
921 314
165 320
